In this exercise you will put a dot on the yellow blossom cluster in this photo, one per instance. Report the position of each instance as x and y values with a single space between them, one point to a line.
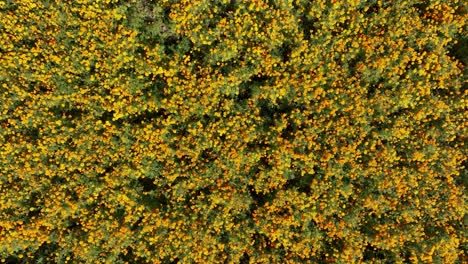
232 131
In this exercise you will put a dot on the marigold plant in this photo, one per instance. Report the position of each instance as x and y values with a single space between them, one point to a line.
233 131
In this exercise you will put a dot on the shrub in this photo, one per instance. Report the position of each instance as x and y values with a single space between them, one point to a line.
232 131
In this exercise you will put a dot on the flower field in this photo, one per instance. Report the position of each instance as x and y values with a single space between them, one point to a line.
233 131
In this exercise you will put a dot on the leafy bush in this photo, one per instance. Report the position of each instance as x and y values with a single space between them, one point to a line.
233 131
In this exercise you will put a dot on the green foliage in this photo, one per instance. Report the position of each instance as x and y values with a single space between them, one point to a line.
142 131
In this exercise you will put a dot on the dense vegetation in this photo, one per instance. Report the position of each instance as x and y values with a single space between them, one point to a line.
230 131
